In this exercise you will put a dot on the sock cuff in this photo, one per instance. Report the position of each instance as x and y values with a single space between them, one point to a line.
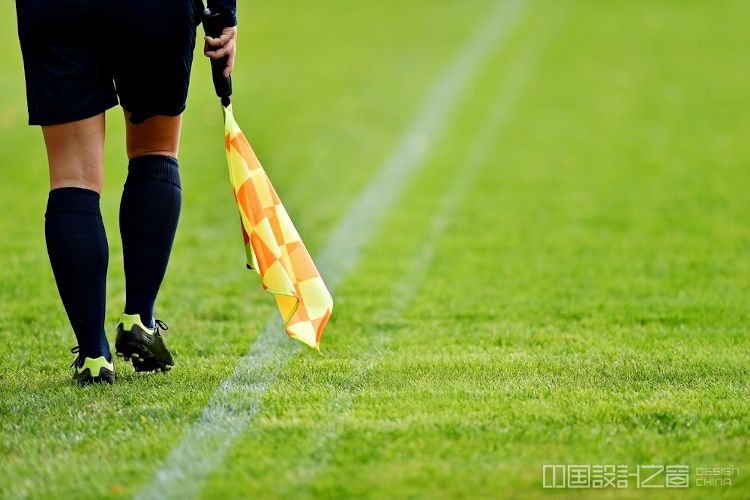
73 199
155 167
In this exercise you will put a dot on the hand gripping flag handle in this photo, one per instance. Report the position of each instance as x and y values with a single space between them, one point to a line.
213 28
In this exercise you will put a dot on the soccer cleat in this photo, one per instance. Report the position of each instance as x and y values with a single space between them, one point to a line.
143 346
92 370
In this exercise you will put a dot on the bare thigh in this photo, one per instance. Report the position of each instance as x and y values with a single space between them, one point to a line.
75 152
159 135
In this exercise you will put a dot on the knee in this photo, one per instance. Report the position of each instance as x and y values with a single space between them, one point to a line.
75 152
156 143
159 135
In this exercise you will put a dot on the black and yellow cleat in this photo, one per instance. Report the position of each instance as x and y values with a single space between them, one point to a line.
143 346
92 370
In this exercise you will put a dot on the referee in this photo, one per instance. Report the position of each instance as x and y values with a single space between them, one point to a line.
82 57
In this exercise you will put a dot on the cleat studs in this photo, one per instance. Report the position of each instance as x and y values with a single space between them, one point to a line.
135 355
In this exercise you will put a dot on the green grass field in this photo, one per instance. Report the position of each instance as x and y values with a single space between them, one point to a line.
564 279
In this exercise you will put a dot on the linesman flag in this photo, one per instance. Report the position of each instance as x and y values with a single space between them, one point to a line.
274 249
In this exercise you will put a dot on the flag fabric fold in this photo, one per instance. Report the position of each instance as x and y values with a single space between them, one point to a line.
273 246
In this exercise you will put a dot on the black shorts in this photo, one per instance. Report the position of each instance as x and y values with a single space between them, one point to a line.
81 55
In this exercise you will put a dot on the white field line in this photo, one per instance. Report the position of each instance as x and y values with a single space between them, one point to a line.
405 289
237 400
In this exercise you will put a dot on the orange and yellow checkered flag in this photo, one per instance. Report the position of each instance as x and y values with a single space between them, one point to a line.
274 248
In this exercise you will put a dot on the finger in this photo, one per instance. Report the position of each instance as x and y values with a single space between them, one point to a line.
226 49
215 54
215 42
228 34
230 64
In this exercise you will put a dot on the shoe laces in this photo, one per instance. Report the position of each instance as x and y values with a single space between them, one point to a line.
76 350
159 324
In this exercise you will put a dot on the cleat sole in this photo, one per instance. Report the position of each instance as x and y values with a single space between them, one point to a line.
85 378
142 360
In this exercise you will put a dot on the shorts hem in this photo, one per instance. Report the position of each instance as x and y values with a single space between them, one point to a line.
44 121
138 117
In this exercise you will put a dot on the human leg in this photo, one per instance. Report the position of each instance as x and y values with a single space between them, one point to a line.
152 87
149 210
74 231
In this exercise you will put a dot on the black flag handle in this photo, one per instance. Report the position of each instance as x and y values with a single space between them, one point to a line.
213 27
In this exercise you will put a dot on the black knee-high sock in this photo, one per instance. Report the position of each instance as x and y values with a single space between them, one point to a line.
149 212
78 252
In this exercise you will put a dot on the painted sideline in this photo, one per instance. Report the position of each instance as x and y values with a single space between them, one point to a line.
237 400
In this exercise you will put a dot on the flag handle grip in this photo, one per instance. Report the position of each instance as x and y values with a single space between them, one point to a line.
212 26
